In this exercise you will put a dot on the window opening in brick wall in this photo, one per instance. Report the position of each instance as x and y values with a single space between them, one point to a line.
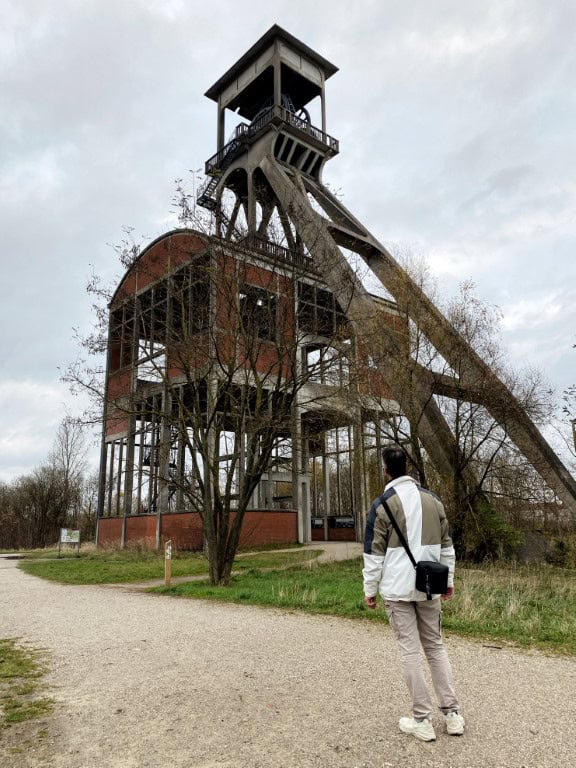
258 310
327 365
319 313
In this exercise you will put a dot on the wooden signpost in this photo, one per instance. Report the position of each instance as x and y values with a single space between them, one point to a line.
167 562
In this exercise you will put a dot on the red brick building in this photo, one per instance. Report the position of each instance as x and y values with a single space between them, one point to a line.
189 298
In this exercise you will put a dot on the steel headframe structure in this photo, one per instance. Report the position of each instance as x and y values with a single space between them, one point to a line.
273 166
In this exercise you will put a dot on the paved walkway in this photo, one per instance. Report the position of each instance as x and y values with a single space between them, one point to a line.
336 550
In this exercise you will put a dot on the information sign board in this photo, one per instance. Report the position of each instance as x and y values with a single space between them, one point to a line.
69 536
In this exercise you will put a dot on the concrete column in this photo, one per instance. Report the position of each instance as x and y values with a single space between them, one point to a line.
251 212
358 475
221 127
181 468
305 486
101 481
326 489
277 82
129 467
111 460
301 504
163 463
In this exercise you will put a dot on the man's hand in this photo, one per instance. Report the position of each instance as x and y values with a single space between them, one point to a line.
370 601
448 594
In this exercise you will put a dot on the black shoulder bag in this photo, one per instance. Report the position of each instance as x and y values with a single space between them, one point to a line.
431 576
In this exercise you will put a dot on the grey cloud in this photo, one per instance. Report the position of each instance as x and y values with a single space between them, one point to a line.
456 123
504 182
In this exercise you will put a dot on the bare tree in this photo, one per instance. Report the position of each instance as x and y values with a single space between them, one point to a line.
9 521
567 421
224 359
89 508
35 506
488 471
68 457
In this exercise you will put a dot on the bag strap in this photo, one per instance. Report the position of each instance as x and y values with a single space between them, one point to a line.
397 529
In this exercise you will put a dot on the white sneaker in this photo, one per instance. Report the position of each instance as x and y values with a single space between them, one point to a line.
421 729
454 724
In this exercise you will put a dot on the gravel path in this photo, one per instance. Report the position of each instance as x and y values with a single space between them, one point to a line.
144 681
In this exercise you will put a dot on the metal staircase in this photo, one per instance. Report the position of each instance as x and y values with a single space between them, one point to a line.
216 166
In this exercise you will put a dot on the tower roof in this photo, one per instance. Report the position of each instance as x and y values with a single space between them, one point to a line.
274 33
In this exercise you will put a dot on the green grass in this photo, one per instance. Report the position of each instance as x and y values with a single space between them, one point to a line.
20 672
124 566
526 606
530 606
334 588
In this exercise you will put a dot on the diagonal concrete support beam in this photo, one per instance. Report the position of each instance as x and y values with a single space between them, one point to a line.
363 314
476 378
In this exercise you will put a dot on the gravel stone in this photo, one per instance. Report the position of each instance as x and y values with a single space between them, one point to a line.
146 681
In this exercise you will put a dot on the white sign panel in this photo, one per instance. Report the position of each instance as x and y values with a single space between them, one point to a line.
69 536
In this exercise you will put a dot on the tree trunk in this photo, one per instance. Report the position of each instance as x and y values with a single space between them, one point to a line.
222 541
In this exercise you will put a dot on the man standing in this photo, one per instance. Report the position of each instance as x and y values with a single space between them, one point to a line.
414 619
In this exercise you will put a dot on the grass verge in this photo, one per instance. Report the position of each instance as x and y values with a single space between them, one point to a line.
21 670
125 566
526 606
533 606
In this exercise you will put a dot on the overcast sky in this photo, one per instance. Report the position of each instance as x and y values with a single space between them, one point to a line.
456 122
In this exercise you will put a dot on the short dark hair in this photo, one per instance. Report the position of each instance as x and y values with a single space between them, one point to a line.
394 459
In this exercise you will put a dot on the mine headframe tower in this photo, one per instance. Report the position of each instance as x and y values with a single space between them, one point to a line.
272 165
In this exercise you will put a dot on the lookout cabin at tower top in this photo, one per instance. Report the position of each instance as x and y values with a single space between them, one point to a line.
278 72
275 86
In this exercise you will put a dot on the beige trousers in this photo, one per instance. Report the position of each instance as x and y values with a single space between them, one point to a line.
419 623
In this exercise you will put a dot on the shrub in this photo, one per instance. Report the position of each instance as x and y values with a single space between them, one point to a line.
563 552
487 536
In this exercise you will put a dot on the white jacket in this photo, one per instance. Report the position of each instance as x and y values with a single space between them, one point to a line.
421 517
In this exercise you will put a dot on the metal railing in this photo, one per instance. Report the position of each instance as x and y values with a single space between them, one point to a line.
278 252
224 157
244 132
310 130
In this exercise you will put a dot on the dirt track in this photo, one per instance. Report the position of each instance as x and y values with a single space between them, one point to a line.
143 681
